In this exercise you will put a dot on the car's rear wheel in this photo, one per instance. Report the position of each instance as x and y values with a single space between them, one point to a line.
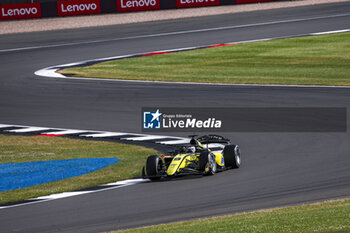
154 166
207 163
232 156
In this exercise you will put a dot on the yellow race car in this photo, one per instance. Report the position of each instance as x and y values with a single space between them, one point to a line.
194 159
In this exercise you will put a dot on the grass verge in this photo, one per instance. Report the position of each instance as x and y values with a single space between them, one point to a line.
311 60
16 149
330 216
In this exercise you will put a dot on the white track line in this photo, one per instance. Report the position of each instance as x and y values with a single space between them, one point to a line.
330 32
148 137
119 184
5 126
27 130
175 142
69 131
104 134
50 73
61 195
176 33
125 182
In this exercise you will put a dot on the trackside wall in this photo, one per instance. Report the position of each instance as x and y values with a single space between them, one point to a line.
27 9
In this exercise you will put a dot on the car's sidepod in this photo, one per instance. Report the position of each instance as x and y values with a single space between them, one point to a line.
179 162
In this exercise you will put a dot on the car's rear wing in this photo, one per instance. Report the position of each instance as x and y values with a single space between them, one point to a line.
212 138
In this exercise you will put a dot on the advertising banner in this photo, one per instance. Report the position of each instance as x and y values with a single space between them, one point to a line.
196 3
78 7
20 11
137 5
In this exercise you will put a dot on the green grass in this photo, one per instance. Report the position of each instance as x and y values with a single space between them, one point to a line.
16 149
312 60
324 217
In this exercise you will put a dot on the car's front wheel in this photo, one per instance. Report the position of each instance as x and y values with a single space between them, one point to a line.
154 166
207 163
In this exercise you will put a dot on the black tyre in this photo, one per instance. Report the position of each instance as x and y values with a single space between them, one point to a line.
232 156
207 163
154 166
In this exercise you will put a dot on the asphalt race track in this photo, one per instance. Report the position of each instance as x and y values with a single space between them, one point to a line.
278 168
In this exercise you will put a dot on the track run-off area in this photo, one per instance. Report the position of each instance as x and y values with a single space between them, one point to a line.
278 169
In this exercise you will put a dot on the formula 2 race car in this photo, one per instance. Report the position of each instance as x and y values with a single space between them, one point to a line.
195 158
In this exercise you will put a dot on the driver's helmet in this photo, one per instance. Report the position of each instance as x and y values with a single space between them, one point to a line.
191 149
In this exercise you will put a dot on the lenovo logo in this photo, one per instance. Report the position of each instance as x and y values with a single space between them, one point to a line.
78 7
196 3
20 11
137 5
